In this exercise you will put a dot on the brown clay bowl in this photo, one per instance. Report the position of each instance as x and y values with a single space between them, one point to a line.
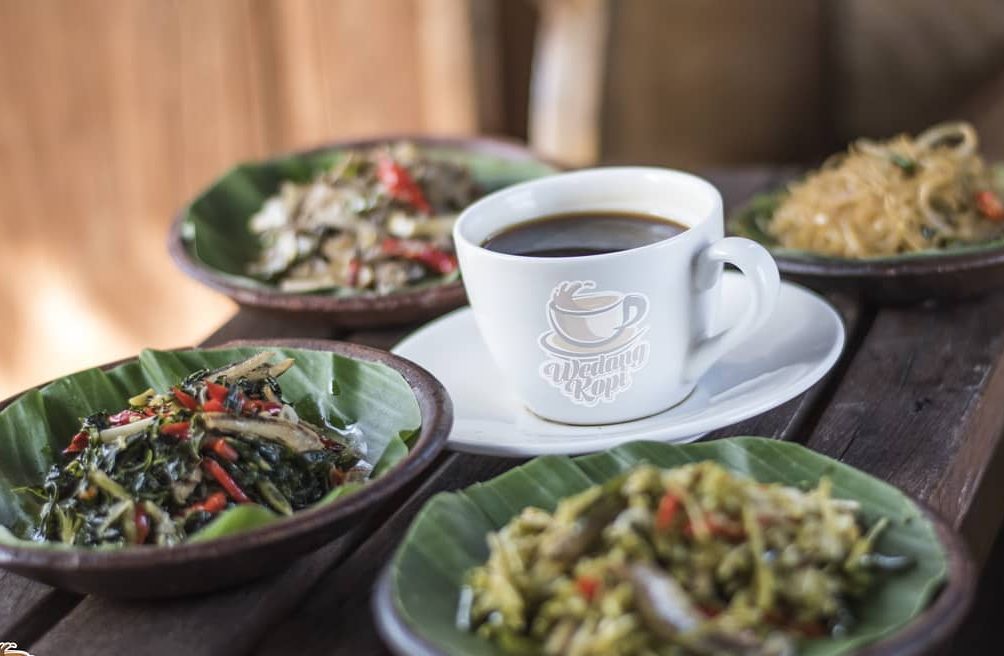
210 242
190 568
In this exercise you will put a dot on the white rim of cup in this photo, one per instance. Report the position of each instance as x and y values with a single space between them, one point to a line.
600 171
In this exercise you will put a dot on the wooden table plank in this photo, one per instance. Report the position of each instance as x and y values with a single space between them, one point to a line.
228 622
29 608
249 323
921 407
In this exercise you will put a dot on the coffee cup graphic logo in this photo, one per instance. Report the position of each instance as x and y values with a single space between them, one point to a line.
10 649
595 341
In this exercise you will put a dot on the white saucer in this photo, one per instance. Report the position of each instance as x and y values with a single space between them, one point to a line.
793 350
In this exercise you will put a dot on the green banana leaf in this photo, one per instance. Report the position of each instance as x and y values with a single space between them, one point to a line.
752 219
215 226
448 537
369 402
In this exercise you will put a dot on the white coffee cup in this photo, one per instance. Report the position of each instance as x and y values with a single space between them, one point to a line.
598 339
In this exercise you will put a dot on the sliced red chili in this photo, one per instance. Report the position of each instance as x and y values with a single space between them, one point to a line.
421 252
587 586
217 392
142 525
354 267
669 506
214 503
726 528
212 405
78 443
990 205
220 447
186 400
400 185
178 429
227 482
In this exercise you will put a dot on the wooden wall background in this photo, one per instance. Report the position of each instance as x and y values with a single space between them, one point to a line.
114 112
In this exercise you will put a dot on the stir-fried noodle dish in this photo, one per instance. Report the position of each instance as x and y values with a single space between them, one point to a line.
903 195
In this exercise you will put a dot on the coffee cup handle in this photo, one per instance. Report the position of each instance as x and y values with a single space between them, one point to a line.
759 269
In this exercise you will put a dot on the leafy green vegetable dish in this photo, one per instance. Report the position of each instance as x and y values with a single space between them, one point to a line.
163 468
688 560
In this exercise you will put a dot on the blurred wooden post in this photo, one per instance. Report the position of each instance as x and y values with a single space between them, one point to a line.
566 91
458 66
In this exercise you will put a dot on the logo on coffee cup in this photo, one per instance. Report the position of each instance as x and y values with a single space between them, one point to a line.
10 649
595 341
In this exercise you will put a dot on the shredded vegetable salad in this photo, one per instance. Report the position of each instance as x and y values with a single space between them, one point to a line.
694 560
378 221
161 469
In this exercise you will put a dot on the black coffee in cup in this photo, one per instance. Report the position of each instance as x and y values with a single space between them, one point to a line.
582 233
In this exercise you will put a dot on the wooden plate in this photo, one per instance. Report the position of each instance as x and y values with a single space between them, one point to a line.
232 203
189 568
942 275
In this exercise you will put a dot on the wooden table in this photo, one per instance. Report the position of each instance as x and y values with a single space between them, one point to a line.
916 399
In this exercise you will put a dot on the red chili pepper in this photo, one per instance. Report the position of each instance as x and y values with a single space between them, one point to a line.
142 525
989 204
149 412
587 586
78 443
421 252
214 503
220 447
669 505
178 429
354 267
400 185
217 392
212 405
809 629
124 417
221 476
186 400
718 527
254 406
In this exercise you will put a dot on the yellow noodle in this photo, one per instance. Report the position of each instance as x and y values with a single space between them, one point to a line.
883 198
